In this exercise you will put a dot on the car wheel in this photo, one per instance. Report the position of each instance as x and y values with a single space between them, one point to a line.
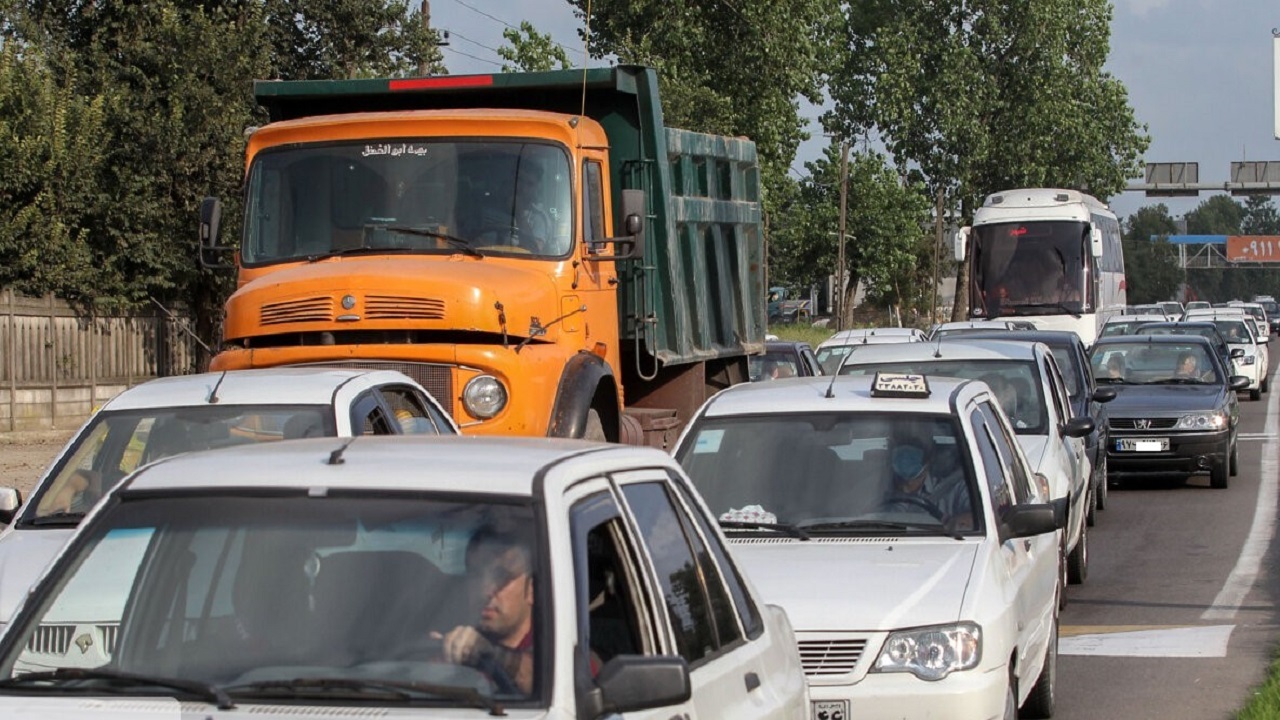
1011 696
594 429
1235 459
1103 483
1219 472
1091 502
1040 702
1078 560
1255 394
1062 571
1266 384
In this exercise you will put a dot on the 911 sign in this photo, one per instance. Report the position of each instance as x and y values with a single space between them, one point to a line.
1253 248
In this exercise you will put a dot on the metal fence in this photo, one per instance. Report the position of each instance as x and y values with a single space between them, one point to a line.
53 355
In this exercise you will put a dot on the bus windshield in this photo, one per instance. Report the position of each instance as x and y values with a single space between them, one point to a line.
420 196
1030 268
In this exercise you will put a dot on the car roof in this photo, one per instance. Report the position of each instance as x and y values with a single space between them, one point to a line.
961 348
1127 317
1153 340
981 324
275 386
784 345
860 333
489 465
1052 338
847 392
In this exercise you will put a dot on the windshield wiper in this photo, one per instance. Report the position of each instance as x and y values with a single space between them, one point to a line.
787 528
453 240
362 249
362 687
882 525
1179 381
1114 381
211 693
63 517
1038 306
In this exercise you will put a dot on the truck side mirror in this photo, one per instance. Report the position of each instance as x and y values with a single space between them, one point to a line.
1095 242
210 218
962 242
631 245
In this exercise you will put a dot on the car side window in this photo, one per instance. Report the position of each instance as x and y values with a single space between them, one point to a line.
812 361
1000 496
368 417
721 564
606 579
1004 443
1062 411
683 588
410 411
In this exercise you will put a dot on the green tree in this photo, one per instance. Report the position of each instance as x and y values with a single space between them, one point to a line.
1152 270
1218 215
989 94
1260 216
322 39
531 51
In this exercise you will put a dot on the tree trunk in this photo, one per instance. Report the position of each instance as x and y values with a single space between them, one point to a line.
960 303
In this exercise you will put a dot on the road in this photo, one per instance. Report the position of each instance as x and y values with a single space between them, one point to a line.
1177 618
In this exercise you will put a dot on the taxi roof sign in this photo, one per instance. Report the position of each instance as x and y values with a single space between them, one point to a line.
900 385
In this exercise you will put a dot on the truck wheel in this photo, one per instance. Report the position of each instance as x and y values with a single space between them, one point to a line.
594 430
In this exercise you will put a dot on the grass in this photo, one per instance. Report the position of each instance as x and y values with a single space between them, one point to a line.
1265 702
801 333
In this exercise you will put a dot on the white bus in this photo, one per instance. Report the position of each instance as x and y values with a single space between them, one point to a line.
1051 256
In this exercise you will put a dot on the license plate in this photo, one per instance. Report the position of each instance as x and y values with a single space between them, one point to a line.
1148 445
830 710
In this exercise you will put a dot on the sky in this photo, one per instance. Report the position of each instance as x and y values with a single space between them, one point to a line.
1200 75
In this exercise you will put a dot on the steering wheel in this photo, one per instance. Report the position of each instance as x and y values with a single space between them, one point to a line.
922 503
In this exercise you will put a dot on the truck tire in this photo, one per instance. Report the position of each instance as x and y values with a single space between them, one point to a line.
594 430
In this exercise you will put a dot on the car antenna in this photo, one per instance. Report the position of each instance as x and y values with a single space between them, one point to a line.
213 394
937 347
831 386
335 457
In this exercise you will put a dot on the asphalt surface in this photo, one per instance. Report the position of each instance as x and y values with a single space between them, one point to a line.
1177 618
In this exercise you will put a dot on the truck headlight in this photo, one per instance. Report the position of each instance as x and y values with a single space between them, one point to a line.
932 653
1202 421
484 396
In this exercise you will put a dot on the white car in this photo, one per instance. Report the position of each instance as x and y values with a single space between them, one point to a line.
961 327
942 604
172 415
1029 385
1124 324
1240 332
832 351
394 577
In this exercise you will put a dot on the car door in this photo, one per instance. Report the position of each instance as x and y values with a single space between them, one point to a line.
1074 458
618 610
371 416
1031 564
727 668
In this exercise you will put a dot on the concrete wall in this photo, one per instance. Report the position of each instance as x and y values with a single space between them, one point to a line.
46 408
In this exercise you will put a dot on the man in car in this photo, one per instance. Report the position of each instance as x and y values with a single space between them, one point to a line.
917 487
500 644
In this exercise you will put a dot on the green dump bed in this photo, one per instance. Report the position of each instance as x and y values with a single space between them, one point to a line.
699 291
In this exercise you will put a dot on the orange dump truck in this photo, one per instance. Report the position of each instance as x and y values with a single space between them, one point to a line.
537 249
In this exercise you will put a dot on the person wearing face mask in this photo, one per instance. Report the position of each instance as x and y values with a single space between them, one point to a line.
917 487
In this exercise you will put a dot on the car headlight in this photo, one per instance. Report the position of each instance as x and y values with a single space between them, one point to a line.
484 396
1202 421
932 653
1247 360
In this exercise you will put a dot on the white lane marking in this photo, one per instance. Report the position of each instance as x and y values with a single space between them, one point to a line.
1240 581
1187 642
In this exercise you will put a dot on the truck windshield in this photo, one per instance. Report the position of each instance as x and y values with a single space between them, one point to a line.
1030 268
425 195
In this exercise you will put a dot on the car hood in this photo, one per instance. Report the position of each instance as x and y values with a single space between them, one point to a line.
24 555
1169 399
866 585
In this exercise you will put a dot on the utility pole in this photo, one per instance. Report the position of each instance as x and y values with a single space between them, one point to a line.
844 192
937 248
424 63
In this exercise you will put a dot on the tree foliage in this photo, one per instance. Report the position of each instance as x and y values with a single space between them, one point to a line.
527 50
1152 272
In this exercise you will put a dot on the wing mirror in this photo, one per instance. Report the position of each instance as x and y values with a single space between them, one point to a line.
1237 353
1078 427
1239 382
10 501
1104 394
210 217
1095 242
961 243
630 245
631 683
1020 521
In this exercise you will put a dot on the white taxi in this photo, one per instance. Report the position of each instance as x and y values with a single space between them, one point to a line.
402 577
1028 383
899 524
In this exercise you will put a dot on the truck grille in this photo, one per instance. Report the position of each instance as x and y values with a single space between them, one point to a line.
437 379
318 309
395 307
1143 423
830 657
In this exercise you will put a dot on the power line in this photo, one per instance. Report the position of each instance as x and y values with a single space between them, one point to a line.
473 57
455 33
500 21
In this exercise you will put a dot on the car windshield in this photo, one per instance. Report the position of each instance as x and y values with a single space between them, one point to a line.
1236 332
267 595
1203 331
1143 363
411 195
115 443
774 366
1015 383
850 472
1122 327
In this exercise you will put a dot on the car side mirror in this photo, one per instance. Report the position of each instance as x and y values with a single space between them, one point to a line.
631 683
1078 427
210 218
1237 353
1104 394
1239 382
10 501
630 245
1020 521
